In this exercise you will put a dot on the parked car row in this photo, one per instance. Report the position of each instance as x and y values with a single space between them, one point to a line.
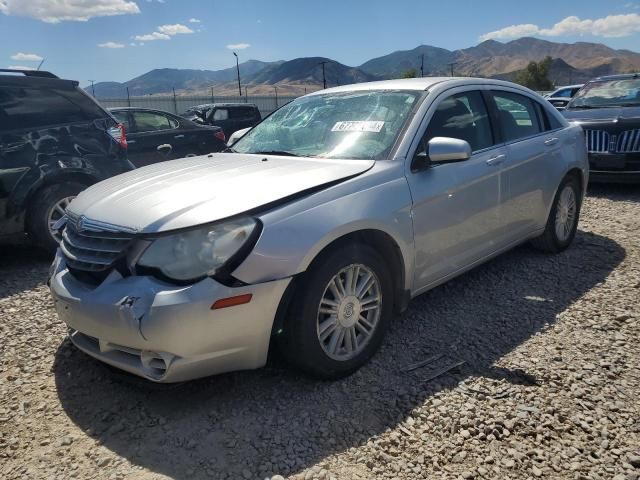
55 141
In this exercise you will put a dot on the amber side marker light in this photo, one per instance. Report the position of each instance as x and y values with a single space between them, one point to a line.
231 301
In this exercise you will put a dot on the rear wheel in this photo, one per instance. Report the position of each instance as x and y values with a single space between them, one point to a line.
47 208
341 314
563 219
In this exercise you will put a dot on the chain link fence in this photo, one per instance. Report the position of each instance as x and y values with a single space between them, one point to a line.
178 104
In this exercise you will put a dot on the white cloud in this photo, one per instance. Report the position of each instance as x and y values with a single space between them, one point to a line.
20 67
238 46
514 31
174 29
55 11
26 57
152 36
610 26
194 20
111 45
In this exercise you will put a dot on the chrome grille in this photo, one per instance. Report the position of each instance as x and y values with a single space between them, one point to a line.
597 140
629 142
92 246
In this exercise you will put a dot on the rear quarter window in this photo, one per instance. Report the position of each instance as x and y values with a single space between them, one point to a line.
25 108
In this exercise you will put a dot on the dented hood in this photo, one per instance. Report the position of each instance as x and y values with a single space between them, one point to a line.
192 191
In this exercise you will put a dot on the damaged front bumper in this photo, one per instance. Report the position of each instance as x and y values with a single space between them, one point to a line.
163 332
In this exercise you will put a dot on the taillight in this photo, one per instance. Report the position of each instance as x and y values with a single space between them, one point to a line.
119 135
220 135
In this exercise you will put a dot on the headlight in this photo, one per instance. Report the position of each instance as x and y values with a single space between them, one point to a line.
200 252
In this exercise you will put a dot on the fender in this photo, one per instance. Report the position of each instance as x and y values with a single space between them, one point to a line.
376 200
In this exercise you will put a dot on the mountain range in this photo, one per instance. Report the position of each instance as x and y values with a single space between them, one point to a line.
573 63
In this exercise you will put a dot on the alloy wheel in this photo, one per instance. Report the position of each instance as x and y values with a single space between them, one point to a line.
56 212
566 213
349 312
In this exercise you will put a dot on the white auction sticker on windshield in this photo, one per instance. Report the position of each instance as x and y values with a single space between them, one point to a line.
358 126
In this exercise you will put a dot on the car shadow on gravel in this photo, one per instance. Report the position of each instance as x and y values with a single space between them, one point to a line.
22 267
612 191
252 424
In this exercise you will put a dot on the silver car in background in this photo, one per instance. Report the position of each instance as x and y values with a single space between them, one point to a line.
320 225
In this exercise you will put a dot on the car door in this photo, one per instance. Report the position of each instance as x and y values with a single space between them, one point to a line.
529 154
152 138
456 206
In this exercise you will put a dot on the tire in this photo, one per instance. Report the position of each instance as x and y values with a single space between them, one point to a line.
553 241
300 341
39 213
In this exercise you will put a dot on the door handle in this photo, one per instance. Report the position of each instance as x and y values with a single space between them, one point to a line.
130 141
551 141
179 136
497 160
164 146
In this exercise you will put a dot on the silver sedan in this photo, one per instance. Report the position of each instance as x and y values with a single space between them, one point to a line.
317 227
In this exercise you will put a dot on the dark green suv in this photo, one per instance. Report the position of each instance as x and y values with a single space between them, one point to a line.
55 141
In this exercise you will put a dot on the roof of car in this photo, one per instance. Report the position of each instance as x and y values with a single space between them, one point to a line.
35 78
617 77
417 84
228 104
577 85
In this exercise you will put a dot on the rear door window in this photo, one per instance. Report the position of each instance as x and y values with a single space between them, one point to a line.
22 108
152 121
517 115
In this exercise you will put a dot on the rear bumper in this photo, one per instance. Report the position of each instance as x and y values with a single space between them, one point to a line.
163 332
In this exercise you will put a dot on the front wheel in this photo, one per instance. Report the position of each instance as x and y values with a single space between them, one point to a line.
563 218
340 317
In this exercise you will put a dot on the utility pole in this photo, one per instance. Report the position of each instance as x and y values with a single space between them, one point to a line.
246 95
324 78
128 98
451 67
276 89
93 90
422 65
238 69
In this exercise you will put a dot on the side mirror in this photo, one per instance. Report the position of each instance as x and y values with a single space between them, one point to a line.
446 150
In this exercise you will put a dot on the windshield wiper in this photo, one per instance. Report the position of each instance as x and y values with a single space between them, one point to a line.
228 150
283 153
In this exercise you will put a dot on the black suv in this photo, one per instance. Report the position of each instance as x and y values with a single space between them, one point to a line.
231 117
55 141
608 109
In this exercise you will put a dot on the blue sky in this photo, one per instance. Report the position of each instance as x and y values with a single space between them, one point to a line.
120 39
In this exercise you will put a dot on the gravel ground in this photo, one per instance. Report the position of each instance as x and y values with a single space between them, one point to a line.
547 389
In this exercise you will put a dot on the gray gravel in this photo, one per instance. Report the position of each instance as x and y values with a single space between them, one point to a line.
548 387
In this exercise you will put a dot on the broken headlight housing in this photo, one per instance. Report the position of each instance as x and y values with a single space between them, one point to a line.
204 251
